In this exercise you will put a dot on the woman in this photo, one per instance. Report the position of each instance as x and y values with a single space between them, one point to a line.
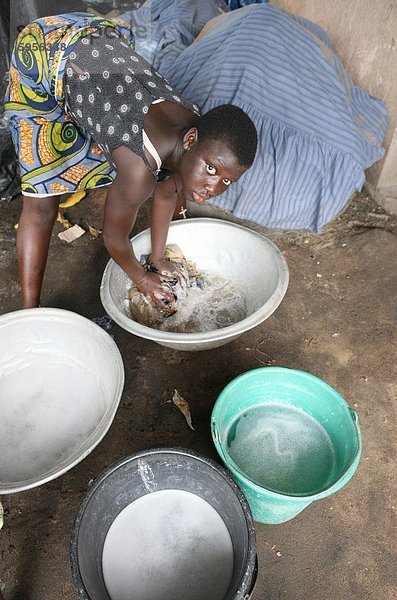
86 110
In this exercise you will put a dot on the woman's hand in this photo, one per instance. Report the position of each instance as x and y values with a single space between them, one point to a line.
167 268
154 286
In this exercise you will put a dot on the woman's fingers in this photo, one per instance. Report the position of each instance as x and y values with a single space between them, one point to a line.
167 268
158 291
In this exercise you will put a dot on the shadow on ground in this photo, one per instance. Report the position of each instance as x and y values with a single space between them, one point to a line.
337 321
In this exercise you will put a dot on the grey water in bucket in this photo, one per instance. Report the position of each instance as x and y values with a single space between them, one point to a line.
138 490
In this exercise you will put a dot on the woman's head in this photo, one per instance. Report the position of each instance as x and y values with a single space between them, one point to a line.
218 150
232 126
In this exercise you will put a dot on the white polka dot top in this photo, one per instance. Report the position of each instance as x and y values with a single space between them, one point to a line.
109 89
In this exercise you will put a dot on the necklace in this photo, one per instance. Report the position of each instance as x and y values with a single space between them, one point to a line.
183 209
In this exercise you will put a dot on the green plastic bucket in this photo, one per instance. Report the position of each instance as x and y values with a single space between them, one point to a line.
287 437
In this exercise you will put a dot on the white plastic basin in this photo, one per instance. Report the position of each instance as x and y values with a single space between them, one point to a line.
252 261
61 380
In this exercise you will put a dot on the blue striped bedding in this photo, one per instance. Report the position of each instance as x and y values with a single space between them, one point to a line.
317 131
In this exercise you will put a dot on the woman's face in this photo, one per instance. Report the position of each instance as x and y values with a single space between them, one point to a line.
207 169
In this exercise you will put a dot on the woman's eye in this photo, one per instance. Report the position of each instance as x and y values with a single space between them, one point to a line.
211 169
227 182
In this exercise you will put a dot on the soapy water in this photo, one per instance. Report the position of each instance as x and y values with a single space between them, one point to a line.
168 545
217 304
282 448
45 416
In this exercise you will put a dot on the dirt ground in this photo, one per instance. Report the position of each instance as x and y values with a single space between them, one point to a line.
337 321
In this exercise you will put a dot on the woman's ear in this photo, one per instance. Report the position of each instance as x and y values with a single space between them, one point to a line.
190 138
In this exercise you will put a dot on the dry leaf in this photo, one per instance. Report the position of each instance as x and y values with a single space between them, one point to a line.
183 407
94 231
64 221
72 200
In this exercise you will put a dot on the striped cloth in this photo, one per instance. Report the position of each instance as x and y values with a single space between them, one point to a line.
317 131
164 28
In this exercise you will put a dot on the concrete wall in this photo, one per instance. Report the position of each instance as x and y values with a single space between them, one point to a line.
364 34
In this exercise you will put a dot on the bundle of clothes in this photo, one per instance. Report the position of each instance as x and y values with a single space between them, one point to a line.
186 276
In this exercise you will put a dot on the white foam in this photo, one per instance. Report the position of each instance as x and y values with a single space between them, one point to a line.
168 545
48 412
218 304
282 448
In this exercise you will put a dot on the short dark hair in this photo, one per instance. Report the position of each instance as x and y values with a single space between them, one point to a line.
233 126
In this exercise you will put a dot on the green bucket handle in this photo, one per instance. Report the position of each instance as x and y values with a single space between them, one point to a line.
217 440
215 436
323 494
356 422
215 433
354 415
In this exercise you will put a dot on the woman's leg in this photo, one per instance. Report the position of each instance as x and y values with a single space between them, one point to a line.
33 240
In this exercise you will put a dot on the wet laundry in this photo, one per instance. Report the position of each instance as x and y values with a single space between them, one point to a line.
142 308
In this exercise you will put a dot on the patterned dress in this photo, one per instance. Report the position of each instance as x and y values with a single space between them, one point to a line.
55 154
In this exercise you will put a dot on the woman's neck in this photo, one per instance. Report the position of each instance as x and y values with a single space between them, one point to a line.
171 162
166 124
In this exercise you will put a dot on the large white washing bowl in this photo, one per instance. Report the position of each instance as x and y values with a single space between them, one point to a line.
61 380
252 261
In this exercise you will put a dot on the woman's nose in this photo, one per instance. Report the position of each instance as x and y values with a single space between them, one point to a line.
213 187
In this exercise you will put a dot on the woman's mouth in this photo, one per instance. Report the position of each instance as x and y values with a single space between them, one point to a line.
198 198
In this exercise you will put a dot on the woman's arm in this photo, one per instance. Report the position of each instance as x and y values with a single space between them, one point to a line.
163 207
121 209
131 187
